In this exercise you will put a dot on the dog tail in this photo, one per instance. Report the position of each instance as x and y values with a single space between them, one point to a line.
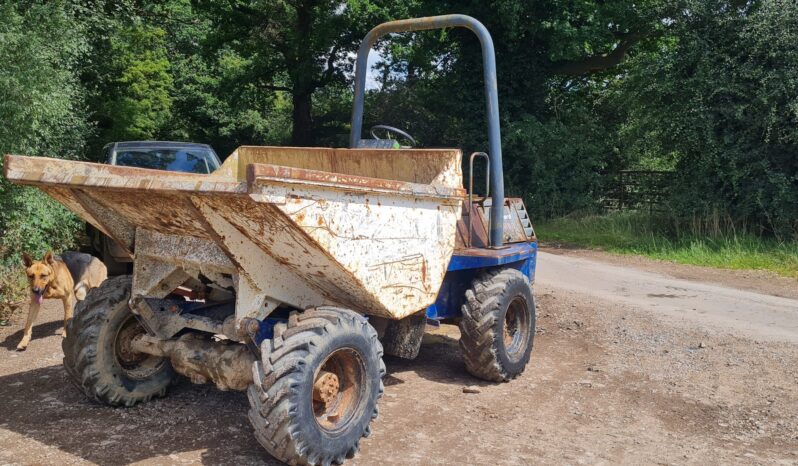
80 291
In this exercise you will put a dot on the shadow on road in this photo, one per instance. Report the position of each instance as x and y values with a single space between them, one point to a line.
439 361
39 331
45 407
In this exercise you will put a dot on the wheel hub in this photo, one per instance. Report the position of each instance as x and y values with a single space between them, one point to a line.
326 387
516 328
125 353
134 364
337 389
510 326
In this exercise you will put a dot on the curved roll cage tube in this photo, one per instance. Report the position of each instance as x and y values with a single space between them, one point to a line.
491 98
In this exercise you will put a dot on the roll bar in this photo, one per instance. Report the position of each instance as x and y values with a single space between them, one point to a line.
491 98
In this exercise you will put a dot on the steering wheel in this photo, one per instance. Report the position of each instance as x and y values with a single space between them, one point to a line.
391 129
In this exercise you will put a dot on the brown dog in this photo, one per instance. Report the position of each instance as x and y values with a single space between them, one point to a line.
67 278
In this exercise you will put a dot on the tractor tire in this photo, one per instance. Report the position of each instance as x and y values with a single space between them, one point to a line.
497 327
97 355
316 386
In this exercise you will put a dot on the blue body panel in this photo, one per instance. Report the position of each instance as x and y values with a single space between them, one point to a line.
463 269
266 331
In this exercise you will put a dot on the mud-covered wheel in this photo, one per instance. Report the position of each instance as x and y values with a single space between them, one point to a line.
316 386
498 325
97 354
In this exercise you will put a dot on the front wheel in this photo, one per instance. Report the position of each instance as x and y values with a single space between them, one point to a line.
316 386
97 353
498 325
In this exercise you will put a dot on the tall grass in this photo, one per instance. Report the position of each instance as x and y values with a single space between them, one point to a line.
712 242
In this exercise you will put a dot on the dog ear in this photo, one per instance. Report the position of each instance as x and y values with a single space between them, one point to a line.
48 258
27 259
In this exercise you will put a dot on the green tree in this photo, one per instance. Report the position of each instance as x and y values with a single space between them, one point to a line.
298 47
215 99
42 113
136 100
41 107
719 99
555 63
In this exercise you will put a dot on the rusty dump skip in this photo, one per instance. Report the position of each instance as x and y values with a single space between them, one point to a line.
370 230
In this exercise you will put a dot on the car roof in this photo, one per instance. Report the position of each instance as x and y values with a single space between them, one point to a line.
152 144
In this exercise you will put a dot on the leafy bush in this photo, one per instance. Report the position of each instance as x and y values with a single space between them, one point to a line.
13 287
721 96
555 172
42 113
32 222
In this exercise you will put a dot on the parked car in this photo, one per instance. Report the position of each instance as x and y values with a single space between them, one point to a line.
187 157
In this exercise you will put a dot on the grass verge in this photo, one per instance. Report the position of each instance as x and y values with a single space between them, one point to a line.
635 233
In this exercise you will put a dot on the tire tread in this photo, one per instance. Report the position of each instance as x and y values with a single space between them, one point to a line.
283 357
479 341
81 342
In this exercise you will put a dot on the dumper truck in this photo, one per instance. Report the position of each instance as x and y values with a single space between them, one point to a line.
303 266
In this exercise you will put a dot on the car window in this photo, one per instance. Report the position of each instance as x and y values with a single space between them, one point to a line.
176 160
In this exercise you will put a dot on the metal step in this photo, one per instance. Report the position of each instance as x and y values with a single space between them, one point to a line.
518 208
526 223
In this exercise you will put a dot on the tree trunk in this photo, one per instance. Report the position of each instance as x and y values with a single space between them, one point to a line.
303 72
302 128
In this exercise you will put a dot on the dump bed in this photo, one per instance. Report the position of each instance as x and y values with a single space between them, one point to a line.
371 230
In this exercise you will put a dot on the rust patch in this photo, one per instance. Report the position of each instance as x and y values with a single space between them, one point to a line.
258 173
48 171
277 235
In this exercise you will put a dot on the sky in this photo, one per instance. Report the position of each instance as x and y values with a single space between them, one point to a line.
372 77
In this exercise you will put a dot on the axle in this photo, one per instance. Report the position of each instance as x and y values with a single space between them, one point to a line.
228 365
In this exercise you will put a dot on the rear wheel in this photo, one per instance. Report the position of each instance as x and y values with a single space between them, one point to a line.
97 353
498 325
316 386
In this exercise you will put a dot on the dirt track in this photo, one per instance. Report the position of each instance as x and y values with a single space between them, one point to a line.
610 381
746 312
